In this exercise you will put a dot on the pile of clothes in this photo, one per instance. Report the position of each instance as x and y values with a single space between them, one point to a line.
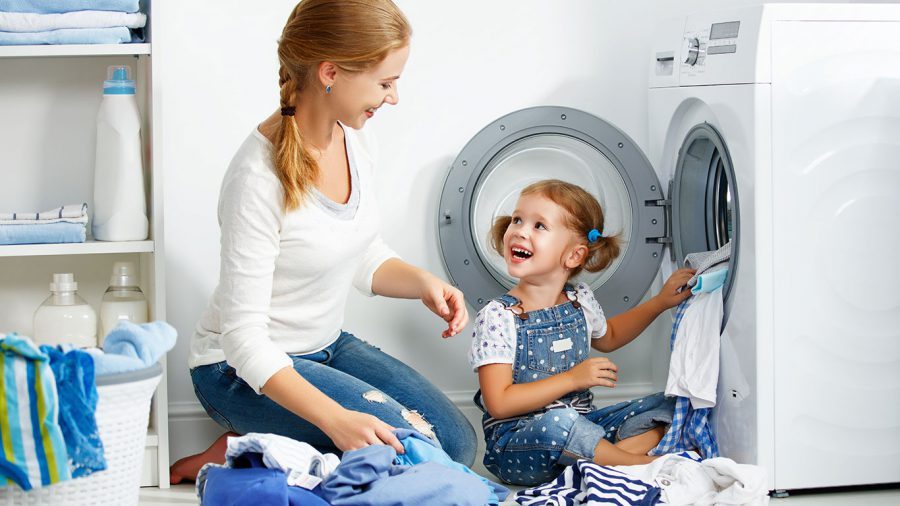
61 225
28 22
275 470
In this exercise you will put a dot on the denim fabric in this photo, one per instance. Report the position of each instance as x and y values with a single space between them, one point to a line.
536 448
356 375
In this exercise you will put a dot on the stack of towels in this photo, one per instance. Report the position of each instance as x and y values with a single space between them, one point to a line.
63 224
26 22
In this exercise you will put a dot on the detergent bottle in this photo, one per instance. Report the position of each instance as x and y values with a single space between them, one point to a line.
120 208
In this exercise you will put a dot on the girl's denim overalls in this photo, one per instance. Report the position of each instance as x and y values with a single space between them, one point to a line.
534 448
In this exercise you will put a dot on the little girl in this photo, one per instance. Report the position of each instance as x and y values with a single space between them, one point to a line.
531 346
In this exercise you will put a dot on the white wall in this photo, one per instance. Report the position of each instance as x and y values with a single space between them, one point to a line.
471 61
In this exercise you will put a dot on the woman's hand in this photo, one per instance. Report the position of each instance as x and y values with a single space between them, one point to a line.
669 296
445 301
352 430
596 371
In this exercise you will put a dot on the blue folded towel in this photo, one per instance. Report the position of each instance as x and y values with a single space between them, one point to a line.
115 35
58 6
131 347
50 233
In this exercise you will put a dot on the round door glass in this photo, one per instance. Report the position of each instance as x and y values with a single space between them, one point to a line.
548 156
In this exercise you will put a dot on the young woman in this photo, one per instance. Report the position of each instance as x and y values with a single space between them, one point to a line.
299 226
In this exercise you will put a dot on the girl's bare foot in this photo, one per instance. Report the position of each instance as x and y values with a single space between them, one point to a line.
188 467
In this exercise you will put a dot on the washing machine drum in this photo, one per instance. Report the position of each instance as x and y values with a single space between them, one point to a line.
552 143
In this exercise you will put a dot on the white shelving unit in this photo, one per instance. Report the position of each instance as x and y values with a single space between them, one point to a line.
49 97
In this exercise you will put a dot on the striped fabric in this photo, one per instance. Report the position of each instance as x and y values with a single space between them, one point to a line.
690 428
33 450
72 213
587 483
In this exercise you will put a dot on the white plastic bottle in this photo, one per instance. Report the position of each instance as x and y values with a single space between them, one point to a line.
64 317
123 300
120 207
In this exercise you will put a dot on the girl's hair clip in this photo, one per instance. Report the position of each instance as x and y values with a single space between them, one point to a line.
594 235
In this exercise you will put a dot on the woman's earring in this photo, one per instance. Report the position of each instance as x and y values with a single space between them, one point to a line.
328 89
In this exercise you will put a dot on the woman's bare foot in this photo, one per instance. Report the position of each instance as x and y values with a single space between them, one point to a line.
608 454
188 467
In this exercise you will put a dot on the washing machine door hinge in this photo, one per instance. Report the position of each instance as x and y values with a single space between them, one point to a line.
666 205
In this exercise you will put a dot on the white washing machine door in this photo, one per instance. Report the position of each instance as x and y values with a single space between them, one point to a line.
552 143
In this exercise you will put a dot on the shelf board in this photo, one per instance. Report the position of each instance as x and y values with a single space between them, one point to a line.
73 50
90 247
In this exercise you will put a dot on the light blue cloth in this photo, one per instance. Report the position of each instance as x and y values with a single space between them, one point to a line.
114 35
51 233
131 347
74 373
59 6
369 477
420 449
709 281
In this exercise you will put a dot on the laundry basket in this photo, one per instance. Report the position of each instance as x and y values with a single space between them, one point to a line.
123 408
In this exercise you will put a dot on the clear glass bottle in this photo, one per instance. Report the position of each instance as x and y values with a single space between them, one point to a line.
64 317
123 300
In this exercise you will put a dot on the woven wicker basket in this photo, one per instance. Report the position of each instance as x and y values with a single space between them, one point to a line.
123 409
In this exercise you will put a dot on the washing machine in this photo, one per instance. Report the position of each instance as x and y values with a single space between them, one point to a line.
775 128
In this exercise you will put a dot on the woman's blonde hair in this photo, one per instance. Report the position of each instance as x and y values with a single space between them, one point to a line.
355 35
583 214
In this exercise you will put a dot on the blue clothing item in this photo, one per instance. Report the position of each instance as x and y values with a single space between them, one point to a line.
77 391
59 6
709 281
51 233
134 346
589 483
419 449
535 448
239 487
114 35
33 452
358 376
368 477
690 428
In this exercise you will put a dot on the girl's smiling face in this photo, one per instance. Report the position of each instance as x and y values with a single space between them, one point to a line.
538 245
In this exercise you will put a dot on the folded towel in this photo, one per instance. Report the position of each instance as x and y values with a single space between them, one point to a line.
31 22
56 6
132 346
51 233
72 213
117 35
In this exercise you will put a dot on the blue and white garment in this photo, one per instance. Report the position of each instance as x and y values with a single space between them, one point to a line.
690 427
32 452
588 483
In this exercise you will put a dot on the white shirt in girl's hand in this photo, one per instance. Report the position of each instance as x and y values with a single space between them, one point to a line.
494 336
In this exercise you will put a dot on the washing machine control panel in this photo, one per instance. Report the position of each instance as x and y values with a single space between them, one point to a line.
718 48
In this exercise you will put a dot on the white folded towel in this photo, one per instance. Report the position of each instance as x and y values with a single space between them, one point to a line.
72 213
30 22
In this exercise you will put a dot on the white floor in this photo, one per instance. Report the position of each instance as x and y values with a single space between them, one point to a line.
184 494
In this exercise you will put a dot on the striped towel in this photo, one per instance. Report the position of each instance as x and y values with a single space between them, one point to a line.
588 483
72 213
33 452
